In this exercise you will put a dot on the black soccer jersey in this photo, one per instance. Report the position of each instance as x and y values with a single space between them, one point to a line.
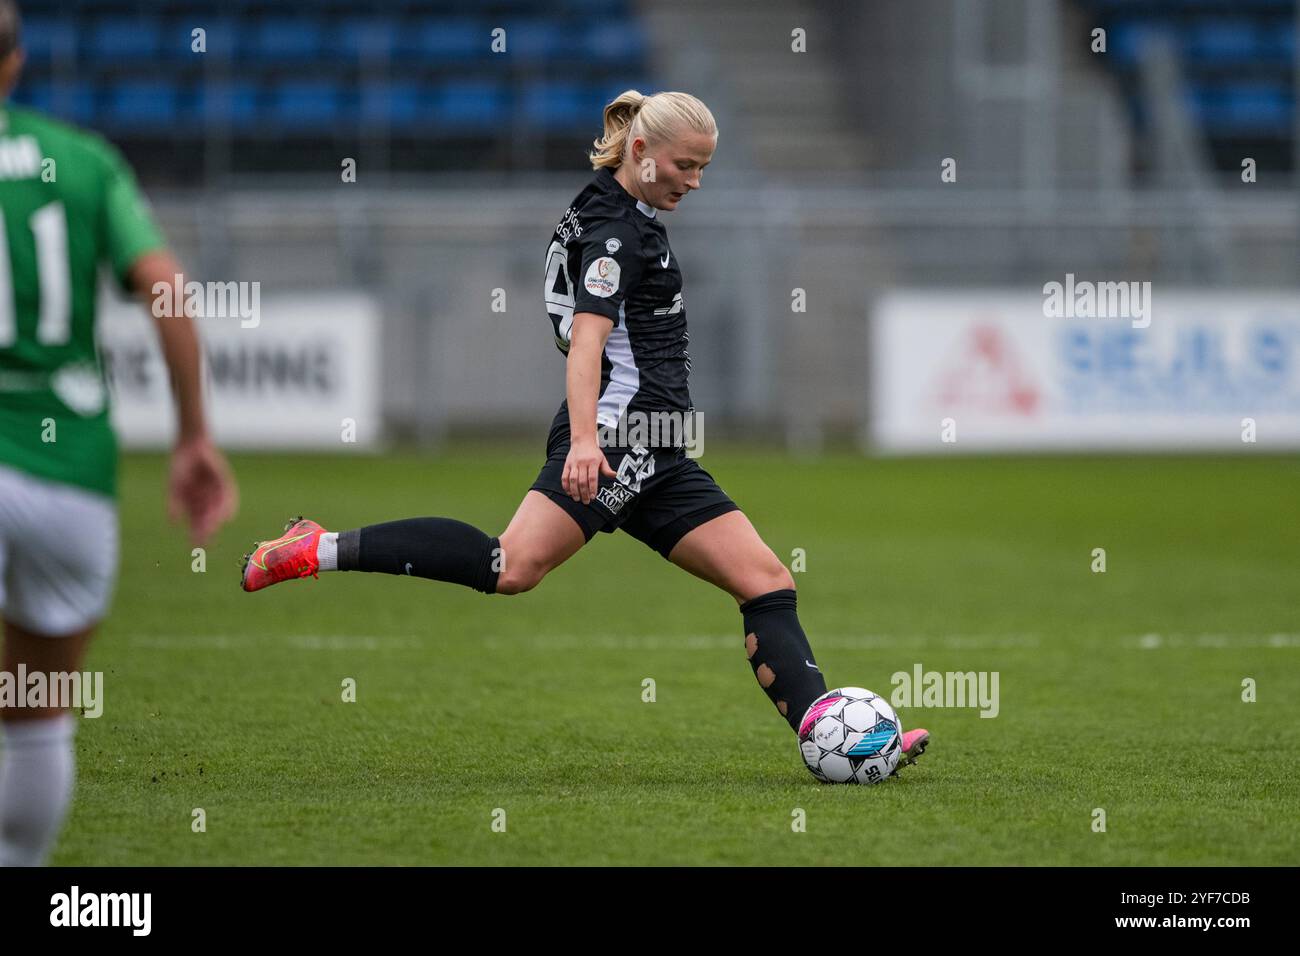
610 255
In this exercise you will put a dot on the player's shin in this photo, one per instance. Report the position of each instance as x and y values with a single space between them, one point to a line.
779 653
37 770
442 549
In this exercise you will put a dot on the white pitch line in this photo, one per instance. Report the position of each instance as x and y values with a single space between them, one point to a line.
643 642
298 642
727 642
686 642
1153 642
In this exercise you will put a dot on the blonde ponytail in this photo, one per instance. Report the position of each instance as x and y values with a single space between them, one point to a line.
656 118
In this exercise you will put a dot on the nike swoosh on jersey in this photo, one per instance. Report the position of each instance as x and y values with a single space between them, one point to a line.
664 261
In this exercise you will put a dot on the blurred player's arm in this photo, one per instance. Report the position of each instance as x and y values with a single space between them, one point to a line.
176 335
201 484
586 462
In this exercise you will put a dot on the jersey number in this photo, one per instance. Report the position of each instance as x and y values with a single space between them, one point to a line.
559 304
50 229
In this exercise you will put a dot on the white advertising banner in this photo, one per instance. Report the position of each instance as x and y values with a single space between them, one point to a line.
299 372
983 370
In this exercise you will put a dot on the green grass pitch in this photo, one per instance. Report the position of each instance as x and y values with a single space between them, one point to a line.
1119 690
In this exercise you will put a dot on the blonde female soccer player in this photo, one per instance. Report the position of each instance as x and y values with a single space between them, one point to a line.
614 296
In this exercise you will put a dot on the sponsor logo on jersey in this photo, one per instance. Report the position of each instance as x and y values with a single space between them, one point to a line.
671 309
614 497
602 277
612 246
568 227
80 387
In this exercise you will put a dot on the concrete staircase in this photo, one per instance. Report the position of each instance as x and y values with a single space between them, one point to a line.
785 113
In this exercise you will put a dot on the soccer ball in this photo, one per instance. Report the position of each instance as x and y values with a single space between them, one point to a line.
850 735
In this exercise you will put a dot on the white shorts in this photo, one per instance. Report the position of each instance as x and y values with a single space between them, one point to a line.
58 554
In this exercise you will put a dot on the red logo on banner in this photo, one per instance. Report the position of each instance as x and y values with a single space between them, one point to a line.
986 377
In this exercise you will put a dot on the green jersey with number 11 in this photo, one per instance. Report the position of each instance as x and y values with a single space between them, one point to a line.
68 202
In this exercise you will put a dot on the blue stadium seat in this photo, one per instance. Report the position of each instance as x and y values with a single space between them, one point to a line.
468 106
553 106
220 38
125 39
1223 41
1243 109
309 103
400 106
613 9
281 39
535 41
72 102
46 37
90 6
1127 41
1278 43
614 42
142 104
373 37
224 103
453 38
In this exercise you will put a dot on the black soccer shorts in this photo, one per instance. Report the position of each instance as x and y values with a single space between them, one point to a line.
659 494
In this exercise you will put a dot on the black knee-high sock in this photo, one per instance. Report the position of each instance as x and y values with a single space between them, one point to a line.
443 549
778 652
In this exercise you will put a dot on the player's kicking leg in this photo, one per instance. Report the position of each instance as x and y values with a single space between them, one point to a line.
539 538
728 552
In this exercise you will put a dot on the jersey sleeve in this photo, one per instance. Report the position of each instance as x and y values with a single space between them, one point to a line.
611 264
129 227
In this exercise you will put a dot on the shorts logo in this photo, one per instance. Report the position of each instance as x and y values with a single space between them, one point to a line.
635 467
614 497
602 277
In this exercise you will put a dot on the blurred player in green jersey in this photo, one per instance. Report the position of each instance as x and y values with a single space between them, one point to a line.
69 204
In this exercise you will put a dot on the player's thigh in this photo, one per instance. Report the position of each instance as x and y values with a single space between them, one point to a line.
540 537
727 551
43 654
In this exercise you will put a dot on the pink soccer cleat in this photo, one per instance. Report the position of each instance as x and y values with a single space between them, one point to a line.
914 744
292 555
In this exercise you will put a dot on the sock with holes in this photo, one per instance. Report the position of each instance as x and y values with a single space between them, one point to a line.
779 653
442 549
